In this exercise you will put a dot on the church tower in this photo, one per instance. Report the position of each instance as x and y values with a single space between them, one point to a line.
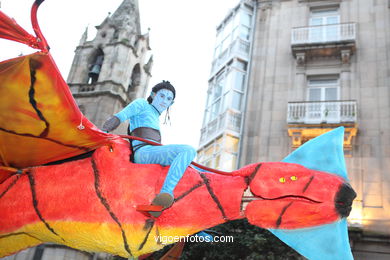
113 69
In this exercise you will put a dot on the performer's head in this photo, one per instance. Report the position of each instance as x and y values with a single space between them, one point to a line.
162 96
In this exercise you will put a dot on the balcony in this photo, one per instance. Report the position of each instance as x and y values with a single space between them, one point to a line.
306 120
325 112
238 48
228 121
337 40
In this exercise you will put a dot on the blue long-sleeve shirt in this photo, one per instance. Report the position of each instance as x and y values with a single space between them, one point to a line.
140 114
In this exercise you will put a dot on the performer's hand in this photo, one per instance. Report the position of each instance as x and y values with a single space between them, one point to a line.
111 124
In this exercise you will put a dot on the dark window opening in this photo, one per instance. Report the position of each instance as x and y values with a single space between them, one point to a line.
135 77
116 35
95 67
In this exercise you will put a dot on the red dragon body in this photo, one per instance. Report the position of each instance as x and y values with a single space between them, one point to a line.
94 207
90 203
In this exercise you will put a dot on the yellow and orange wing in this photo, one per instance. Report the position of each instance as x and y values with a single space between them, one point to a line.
40 121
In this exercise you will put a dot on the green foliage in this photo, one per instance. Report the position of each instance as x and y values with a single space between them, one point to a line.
250 242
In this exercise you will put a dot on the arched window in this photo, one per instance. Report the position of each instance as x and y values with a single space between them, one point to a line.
116 35
135 77
95 66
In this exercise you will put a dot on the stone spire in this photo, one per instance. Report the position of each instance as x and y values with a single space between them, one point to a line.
84 36
127 17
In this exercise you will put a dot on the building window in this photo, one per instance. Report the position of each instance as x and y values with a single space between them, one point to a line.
324 25
95 66
221 153
323 94
116 35
239 64
210 155
217 96
135 77
231 144
237 26
245 25
245 32
323 89
236 100
226 93
237 90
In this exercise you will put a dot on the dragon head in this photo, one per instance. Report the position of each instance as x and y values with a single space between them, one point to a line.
289 196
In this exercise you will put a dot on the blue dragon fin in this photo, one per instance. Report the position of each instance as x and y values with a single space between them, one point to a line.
324 153
326 242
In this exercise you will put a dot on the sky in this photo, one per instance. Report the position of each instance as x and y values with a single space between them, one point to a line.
182 38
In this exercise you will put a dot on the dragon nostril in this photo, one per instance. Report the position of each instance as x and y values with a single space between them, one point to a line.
344 199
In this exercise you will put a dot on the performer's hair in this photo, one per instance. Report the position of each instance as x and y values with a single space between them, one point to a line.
162 85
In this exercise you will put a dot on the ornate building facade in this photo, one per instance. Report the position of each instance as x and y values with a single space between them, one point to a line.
317 65
314 65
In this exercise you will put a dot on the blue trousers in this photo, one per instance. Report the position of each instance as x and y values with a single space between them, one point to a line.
178 156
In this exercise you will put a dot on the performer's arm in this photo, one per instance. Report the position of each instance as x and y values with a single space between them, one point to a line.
130 110
111 124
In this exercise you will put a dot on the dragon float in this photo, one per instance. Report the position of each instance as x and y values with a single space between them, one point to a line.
64 181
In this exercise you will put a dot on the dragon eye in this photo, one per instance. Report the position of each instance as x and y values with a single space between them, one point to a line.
294 178
282 180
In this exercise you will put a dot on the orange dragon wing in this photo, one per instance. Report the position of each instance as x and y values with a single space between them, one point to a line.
40 121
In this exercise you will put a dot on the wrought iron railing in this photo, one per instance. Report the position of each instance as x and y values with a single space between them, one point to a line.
329 112
324 33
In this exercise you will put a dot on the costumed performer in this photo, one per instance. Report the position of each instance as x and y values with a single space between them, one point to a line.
144 117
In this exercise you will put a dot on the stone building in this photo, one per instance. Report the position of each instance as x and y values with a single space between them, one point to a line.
315 65
107 73
112 69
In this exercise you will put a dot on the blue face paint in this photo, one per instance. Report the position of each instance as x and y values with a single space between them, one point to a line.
162 100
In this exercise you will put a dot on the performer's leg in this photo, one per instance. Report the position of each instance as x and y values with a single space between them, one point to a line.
184 156
178 157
